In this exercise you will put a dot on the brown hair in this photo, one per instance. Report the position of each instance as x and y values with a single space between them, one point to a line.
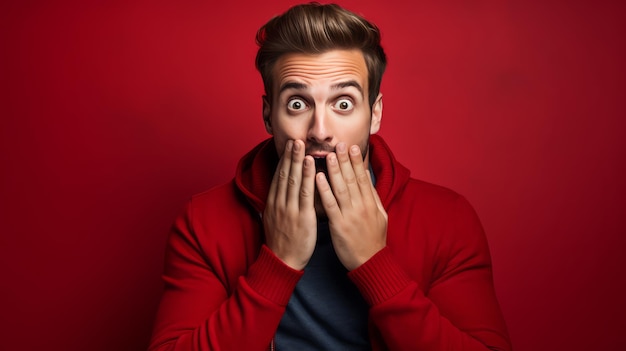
314 29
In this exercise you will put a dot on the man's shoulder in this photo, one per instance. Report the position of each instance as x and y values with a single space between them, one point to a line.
419 196
443 212
426 191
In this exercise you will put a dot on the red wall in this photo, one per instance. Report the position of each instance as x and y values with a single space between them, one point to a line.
113 114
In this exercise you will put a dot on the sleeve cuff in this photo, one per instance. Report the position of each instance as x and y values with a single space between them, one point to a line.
271 278
380 278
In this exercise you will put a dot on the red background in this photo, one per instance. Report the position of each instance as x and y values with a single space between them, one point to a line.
114 113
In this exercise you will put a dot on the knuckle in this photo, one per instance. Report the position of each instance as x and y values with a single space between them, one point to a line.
350 180
304 192
362 178
291 212
291 180
330 205
279 212
341 191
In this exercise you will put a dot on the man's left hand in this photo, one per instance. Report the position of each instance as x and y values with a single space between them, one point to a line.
357 219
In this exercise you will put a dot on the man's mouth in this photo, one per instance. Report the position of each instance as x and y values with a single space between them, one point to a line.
320 165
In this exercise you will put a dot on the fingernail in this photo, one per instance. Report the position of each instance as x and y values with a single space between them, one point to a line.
296 146
289 145
354 150
341 147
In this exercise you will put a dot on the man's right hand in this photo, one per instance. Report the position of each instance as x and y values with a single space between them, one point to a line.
289 219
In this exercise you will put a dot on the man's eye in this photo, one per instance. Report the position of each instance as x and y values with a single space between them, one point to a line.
296 105
344 105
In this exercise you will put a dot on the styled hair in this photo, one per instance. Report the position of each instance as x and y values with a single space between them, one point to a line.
314 29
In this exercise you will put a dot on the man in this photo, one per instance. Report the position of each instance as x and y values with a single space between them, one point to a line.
323 241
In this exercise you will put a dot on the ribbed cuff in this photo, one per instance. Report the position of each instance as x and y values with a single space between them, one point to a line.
272 278
380 278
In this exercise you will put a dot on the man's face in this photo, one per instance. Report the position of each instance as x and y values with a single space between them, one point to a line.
321 100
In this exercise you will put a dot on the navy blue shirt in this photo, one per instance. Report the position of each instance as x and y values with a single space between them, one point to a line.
326 311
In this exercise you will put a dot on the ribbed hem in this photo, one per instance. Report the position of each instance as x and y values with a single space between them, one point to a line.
272 278
380 277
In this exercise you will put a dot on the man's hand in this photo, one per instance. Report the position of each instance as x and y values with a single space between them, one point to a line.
289 218
357 219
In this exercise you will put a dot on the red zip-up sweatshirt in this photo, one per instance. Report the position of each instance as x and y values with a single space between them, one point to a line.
430 288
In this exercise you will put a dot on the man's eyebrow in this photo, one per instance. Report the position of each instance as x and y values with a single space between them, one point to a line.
292 85
301 86
349 83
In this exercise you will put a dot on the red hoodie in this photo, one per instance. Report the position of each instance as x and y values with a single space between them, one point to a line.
430 289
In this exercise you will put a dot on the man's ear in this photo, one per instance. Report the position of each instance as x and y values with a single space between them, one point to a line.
377 114
267 112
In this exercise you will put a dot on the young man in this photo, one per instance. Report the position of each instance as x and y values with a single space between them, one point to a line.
323 241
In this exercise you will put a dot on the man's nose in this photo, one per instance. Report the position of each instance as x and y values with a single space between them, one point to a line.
320 129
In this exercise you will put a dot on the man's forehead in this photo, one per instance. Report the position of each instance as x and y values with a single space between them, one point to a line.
299 70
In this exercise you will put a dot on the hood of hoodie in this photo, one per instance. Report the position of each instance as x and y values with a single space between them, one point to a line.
256 169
